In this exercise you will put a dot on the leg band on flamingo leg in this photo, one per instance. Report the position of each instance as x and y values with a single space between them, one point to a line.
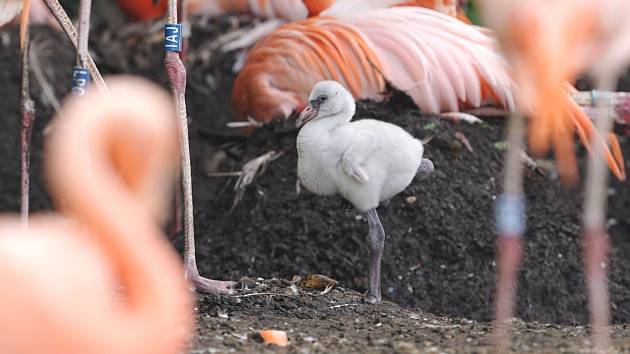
510 224
509 215
606 96
80 81
173 37
597 95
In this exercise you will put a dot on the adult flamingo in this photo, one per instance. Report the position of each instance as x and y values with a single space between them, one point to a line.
61 273
549 43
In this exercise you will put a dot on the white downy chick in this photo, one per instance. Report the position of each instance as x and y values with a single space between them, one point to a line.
366 162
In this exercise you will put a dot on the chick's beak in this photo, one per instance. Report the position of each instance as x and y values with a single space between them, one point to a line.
307 114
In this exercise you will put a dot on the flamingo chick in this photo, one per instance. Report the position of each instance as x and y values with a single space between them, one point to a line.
366 161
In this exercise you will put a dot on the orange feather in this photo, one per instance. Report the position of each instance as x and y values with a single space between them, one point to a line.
24 17
542 51
316 6
273 83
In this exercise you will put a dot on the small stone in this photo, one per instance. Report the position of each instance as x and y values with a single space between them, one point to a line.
293 289
309 339
221 313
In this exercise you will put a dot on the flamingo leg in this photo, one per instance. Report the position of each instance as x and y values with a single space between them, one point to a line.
596 247
511 226
509 256
177 78
596 243
376 243
176 72
176 225
183 16
28 116
176 222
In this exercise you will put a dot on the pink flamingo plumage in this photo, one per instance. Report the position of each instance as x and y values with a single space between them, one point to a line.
549 43
61 273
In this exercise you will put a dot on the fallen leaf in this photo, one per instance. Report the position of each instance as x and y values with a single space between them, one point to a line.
317 282
429 126
501 145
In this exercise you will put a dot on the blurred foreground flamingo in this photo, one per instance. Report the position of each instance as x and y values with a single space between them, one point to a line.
550 43
442 63
61 275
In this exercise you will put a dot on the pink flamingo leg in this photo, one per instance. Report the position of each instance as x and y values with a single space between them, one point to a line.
176 72
176 222
596 243
510 226
509 256
596 247
28 117
28 113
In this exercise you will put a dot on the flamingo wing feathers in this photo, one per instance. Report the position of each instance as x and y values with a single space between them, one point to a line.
439 61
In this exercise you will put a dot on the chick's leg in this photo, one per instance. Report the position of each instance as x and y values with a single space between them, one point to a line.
376 243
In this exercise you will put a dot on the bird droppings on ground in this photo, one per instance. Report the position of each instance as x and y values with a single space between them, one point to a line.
439 256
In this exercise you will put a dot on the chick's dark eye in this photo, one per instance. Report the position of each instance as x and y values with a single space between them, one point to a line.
323 98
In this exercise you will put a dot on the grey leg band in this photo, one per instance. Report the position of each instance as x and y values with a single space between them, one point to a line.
509 215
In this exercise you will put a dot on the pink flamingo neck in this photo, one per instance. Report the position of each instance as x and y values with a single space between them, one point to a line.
101 135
